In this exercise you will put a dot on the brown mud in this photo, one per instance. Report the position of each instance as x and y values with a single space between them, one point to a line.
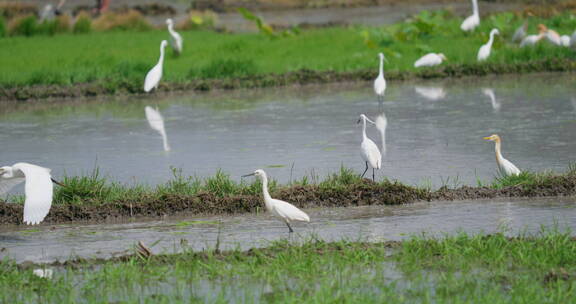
310 196
300 77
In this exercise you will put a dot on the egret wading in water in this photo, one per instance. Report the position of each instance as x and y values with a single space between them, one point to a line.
38 189
285 211
368 149
429 60
472 21
175 38
486 49
156 122
155 74
506 167
380 82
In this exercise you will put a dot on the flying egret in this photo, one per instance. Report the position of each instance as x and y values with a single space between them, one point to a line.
506 167
431 93
520 33
485 50
155 74
156 122
551 35
380 82
38 189
472 21
175 38
490 93
368 149
286 211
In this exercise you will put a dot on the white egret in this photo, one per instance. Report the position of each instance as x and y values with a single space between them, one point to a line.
38 189
430 59
431 93
550 35
531 40
175 38
495 103
155 74
520 33
486 49
285 211
380 82
368 149
506 167
472 21
381 123
156 122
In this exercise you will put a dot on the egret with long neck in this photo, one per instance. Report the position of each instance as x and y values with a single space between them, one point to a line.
285 211
155 74
368 149
380 82
506 167
486 49
176 40
472 21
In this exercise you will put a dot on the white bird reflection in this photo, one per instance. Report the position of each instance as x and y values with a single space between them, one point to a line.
381 123
573 101
495 103
156 122
431 93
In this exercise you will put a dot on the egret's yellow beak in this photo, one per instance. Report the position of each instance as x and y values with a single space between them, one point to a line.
488 138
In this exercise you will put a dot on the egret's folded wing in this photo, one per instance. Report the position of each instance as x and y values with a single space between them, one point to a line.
38 193
8 183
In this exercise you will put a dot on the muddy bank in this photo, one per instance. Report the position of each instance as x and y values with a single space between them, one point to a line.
300 77
360 193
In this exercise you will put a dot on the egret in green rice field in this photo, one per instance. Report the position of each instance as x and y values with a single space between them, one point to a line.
472 21
368 149
506 167
155 74
429 60
486 49
175 38
285 211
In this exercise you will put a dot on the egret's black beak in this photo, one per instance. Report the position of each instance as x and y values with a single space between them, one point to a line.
57 182
251 174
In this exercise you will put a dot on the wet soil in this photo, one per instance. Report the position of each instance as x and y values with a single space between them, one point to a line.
300 77
310 196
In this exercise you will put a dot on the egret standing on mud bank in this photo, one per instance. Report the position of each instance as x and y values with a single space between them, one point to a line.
506 167
472 21
175 38
380 82
155 74
38 189
368 149
486 49
286 211
429 60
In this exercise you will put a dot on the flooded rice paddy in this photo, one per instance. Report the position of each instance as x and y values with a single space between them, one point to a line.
370 223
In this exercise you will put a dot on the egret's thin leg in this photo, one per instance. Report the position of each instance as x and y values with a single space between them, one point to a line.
290 230
373 179
365 170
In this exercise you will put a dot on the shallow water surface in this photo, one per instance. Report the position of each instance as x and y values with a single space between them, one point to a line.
369 223
433 134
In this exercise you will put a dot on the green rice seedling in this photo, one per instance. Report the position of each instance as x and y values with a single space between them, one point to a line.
179 185
3 30
83 24
23 26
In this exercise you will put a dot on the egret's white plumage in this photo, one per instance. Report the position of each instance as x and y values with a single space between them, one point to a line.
155 74
550 35
430 59
285 211
486 49
368 149
565 39
175 38
380 82
156 122
38 189
495 103
431 93
520 33
531 40
472 21
506 167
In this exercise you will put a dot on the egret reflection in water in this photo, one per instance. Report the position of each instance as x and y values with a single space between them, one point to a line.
156 122
431 93
495 103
